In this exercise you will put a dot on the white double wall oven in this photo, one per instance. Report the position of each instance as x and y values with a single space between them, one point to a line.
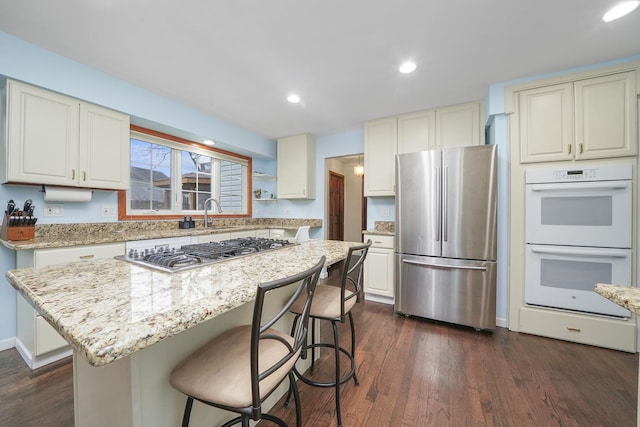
578 234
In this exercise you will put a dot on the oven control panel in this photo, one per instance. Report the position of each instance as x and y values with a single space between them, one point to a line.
579 174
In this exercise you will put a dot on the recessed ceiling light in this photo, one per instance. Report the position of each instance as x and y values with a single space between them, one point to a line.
620 10
407 67
293 98
208 142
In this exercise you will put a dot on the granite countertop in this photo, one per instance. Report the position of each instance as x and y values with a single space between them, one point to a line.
109 309
64 235
624 296
382 228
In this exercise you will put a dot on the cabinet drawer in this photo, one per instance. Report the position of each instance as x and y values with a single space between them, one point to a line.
584 329
380 241
47 339
44 257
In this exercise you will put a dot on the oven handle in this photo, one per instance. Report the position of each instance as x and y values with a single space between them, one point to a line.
456 267
581 186
581 252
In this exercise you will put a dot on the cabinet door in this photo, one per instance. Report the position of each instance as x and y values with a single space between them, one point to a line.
378 272
104 148
606 108
42 130
458 125
296 167
417 132
546 123
380 147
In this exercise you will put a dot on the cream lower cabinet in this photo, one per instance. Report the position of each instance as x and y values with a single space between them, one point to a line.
58 140
37 342
379 269
590 118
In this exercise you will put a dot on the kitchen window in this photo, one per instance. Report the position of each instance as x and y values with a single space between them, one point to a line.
172 177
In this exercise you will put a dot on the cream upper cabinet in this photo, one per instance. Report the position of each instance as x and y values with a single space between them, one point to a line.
417 132
380 147
606 116
546 123
58 140
591 118
444 127
458 125
296 167
104 148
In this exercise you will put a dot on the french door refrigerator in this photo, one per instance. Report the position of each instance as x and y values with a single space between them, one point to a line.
445 250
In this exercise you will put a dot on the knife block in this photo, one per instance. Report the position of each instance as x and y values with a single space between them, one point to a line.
19 232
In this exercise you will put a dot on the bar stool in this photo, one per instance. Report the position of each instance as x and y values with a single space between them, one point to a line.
334 304
239 369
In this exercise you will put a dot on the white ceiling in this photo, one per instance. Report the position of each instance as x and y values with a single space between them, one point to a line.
239 59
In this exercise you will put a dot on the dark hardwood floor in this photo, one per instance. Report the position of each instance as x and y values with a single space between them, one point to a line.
39 398
412 373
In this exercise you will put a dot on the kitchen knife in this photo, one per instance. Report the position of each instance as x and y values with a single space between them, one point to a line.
27 205
10 206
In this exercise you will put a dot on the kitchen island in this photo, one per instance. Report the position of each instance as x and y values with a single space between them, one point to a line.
129 325
629 298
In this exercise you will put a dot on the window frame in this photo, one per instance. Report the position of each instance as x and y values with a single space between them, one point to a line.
122 194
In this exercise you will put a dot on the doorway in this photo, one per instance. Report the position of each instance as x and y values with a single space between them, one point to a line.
336 206
352 204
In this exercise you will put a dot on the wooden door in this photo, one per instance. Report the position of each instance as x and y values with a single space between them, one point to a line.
336 206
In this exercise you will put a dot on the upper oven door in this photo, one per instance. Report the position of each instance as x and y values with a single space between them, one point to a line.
596 214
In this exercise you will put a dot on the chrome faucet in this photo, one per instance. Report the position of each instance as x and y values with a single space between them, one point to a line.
206 213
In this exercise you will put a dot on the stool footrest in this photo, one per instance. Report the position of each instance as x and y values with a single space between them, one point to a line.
344 379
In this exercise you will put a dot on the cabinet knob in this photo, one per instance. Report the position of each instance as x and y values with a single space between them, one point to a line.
581 148
569 152
73 174
84 175
86 256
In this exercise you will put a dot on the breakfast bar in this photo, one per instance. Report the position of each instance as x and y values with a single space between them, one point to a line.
129 325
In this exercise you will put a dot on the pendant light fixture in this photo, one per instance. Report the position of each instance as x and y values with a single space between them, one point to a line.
358 169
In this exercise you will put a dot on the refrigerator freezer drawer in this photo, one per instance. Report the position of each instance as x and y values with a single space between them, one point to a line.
449 290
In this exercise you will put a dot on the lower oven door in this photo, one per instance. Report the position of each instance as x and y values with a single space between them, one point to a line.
565 276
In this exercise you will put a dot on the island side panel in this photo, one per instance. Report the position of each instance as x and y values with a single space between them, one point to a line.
135 391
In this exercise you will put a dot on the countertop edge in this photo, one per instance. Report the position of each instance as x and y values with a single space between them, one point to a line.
625 296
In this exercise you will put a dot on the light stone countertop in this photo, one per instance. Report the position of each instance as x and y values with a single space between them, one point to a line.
109 309
65 235
624 296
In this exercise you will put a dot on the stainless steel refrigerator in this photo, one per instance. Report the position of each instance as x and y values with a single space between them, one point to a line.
445 247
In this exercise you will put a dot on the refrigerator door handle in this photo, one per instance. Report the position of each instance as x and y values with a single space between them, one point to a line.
457 267
438 205
445 202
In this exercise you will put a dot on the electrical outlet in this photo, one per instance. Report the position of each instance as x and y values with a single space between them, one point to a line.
385 212
51 209
108 211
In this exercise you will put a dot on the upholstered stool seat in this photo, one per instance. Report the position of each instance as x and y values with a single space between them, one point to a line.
219 371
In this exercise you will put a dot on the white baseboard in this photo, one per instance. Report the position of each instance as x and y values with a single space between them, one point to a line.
35 362
7 344
378 298
501 322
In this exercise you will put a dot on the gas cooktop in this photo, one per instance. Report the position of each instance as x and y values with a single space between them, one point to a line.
172 259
